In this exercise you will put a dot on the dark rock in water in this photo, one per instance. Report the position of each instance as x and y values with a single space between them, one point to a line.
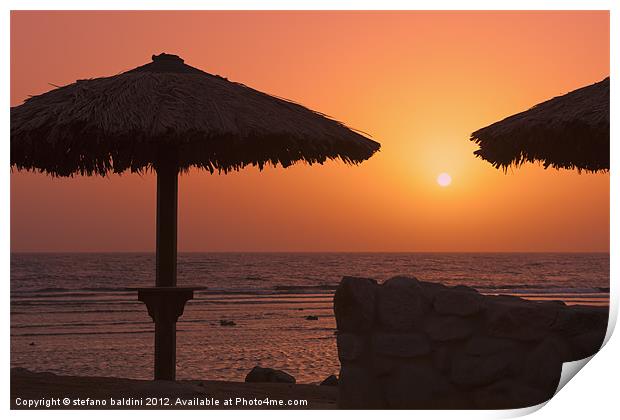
31 344
354 304
401 304
312 318
227 323
260 374
331 380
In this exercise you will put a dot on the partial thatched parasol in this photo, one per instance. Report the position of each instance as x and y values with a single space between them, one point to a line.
569 131
168 116
118 123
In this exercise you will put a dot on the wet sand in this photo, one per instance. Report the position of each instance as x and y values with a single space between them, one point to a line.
50 391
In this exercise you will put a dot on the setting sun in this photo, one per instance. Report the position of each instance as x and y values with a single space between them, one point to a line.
444 179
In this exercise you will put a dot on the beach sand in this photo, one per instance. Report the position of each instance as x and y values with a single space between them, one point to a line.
42 388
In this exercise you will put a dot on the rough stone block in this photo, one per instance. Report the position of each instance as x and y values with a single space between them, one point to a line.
543 366
354 304
447 328
458 302
508 394
400 344
401 304
417 386
484 346
521 320
350 346
477 370
358 390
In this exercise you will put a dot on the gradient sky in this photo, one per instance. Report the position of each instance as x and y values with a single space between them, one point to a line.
417 82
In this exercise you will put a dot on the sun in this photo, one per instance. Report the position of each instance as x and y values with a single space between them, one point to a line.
444 179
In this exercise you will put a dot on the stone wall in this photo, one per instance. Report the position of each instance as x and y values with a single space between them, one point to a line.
413 344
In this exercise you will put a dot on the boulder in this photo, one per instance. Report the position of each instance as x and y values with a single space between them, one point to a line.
331 380
401 304
458 301
400 344
260 374
227 323
354 304
447 328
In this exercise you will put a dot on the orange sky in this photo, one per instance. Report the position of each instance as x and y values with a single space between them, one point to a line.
418 82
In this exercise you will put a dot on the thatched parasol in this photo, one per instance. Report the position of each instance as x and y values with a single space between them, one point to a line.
569 131
168 116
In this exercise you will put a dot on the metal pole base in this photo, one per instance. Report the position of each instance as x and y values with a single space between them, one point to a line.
165 306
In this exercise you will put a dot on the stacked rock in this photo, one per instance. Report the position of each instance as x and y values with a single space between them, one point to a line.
408 344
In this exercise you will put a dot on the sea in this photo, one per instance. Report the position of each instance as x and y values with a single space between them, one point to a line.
76 313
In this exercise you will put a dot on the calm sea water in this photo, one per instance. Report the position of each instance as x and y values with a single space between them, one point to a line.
72 313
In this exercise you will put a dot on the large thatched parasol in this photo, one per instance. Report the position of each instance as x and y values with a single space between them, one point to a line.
168 116
569 131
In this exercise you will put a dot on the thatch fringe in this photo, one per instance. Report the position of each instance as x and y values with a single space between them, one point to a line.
569 131
121 123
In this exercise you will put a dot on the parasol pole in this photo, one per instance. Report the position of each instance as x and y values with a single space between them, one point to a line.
166 266
165 301
166 247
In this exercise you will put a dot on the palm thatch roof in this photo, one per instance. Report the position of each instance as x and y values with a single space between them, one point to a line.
569 131
127 121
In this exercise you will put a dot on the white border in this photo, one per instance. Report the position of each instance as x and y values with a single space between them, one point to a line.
593 394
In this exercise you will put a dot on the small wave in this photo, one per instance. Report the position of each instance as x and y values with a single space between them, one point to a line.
83 289
84 333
